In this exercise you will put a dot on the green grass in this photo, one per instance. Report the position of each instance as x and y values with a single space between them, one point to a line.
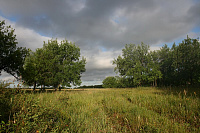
105 110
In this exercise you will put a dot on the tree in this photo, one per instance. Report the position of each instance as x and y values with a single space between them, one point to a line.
31 70
110 82
11 57
187 61
165 60
133 64
153 67
55 65
180 65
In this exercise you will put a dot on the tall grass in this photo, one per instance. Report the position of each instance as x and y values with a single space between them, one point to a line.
105 110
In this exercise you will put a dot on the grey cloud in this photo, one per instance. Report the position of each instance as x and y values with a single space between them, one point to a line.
194 13
97 74
5 77
147 21
110 24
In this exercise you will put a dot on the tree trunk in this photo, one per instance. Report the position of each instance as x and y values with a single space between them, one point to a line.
58 88
43 88
155 83
34 86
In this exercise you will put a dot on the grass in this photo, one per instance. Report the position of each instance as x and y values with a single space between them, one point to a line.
105 110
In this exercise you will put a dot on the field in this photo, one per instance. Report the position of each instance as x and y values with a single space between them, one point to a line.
105 110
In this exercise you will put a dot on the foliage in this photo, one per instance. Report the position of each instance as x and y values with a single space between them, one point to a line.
31 113
165 61
110 82
153 68
179 65
6 103
116 82
54 65
89 86
11 56
137 65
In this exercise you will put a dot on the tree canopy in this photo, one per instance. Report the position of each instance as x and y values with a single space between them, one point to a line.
137 65
11 57
181 63
55 64
110 82
178 65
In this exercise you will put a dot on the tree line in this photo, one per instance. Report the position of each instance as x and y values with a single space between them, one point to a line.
59 64
175 66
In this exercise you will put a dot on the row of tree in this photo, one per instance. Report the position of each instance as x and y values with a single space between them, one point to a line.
55 64
175 66
59 64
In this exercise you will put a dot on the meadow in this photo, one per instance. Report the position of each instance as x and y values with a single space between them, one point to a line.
143 109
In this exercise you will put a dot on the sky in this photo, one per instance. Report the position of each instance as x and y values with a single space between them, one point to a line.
101 28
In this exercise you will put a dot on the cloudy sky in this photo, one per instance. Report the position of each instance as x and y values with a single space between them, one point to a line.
101 28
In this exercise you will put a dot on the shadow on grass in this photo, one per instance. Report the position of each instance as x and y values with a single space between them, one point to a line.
180 91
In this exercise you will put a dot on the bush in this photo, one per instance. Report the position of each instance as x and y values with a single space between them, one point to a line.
5 104
110 82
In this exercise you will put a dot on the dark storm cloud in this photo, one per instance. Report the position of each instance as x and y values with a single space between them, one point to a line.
194 13
109 22
96 25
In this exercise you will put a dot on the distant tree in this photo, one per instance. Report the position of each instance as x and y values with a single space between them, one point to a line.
55 65
11 57
110 82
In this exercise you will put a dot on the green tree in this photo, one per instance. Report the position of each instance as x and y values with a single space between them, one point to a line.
11 57
187 61
165 61
110 82
153 67
132 65
55 65
122 82
31 70
180 65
